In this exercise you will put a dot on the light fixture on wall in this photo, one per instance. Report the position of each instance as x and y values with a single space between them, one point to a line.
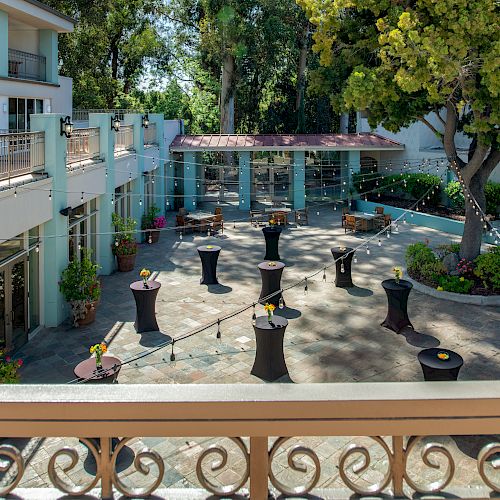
66 127
115 123
145 120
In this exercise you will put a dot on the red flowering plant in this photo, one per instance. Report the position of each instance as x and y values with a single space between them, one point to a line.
465 268
8 369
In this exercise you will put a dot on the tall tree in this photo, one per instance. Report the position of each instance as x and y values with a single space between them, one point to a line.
425 57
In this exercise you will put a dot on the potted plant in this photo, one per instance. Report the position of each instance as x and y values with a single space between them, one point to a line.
9 368
152 223
124 246
81 288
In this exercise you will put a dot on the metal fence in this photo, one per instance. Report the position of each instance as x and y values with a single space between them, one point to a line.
27 66
150 134
83 145
124 138
21 154
83 114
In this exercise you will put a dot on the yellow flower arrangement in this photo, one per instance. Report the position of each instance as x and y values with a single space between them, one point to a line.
398 273
209 247
272 222
98 350
443 356
145 274
269 308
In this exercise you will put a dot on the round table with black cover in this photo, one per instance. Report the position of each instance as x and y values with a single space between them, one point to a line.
397 299
272 236
269 361
435 369
145 301
88 373
209 256
270 273
343 279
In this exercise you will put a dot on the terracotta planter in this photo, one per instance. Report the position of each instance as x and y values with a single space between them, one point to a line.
126 263
90 316
155 236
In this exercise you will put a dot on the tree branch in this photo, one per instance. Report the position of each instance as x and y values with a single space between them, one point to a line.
431 126
450 129
439 117
490 163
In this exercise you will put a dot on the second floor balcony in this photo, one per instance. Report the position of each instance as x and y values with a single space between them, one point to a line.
27 66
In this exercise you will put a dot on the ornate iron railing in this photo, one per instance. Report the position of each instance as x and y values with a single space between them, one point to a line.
124 138
83 114
82 146
27 66
254 427
150 134
21 154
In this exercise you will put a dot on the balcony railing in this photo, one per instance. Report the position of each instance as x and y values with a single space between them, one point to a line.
21 154
150 134
124 138
27 66
270 437
83 146
83 114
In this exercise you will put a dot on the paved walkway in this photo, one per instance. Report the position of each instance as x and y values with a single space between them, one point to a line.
333 334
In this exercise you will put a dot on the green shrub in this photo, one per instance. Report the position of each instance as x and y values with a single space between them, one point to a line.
455 284
455 194
421 262
488 269
418 184
446 249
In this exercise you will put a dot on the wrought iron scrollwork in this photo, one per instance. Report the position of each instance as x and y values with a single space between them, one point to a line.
222 454
141 467
485 453
294 463
427 450
354 449
59 483
14 455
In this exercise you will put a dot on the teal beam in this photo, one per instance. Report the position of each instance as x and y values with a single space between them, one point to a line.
169 183
245 180
54 251
4 44
351 164
190 199
49 49
299 180
105 256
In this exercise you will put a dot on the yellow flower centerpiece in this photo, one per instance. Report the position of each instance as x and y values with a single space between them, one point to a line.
269 308
443 356
398 273
272 222
98 350
145 274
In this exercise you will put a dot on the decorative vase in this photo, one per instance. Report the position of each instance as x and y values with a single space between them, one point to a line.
145 283
98 361
270 317
126 263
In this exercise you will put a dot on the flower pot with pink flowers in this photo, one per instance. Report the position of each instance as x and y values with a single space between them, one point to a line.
152 224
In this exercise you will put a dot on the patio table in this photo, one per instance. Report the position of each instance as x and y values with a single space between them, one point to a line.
343 279
270 273
200 219
269 361
145 301
272 236
397 299
209 255
87 372
435 369
366 220
277 209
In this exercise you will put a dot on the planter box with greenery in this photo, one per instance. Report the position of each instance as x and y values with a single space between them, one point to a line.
152 223
124 246
81 288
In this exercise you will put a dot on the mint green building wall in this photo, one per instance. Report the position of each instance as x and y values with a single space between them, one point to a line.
106 208
350 164
49 49
4 44
299 179
245 180
160 187
55 250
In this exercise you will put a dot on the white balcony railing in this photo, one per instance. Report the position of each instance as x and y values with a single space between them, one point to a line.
260 421
21 154
150 134
83 146
124 138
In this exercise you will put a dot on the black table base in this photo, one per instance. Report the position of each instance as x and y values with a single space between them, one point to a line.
271 282
209 258
272 236
269 361
437 370
343 279
397 300
145 301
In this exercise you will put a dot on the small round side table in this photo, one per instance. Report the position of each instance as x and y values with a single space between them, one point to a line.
397 302
145 302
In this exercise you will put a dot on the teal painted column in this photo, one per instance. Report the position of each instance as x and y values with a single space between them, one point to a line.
49 49
299 180
160 187
352 165
138 184
190 199
245 182
169 182
55 249
105 256
4 44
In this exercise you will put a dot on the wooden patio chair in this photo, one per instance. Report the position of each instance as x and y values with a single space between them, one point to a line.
345 211
218 211
302 217
379 210
351 223
280 218
183 225
217 224
256 218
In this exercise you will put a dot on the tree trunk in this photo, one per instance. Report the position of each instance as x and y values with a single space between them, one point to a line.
227 96
470 246
301 80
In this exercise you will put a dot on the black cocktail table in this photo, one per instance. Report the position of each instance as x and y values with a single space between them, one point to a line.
209 255
436 369
87 372
269 361
397 299
272 236
343 279
145 299
270 273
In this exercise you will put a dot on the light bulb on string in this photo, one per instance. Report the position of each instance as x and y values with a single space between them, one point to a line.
324 274
140 202
152 179
219 334
106 173
150 240
172 354
388 234
81 199
254 316
180 236
367 250
37 248
130 176
112 200
306 288
379 242
317 212
15 192
335 206
342 268
281 302
50 194
355 259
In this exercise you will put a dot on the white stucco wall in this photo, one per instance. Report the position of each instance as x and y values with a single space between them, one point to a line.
24 37
62 101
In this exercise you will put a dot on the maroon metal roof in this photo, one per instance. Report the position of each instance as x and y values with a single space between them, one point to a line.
262 142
